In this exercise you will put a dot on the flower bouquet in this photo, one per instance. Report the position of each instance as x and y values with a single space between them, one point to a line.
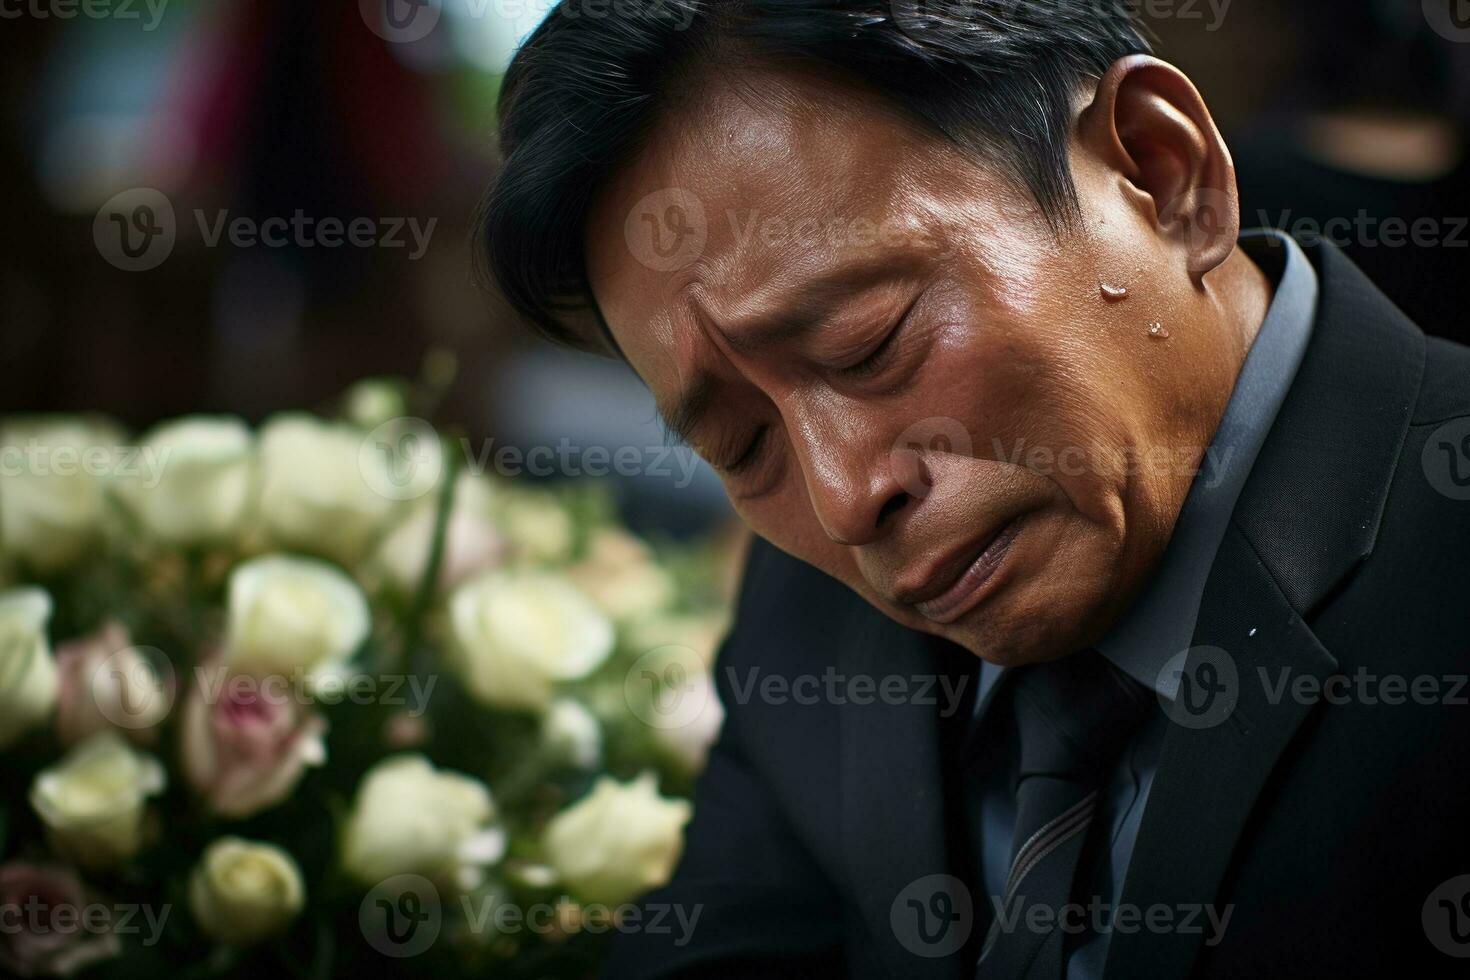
319 699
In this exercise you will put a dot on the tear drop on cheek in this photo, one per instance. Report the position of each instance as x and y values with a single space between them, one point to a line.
1113 294
1158 331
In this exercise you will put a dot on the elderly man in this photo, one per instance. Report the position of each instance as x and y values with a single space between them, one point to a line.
1122 557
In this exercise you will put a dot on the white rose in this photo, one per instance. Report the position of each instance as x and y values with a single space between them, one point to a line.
290 615
572 734
620 575
92 801
699 633
618 841
242 892
27 668
197 485
314 491
539 527
52 477
517 633
410 818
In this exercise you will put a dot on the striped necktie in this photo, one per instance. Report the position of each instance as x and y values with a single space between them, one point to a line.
1067 722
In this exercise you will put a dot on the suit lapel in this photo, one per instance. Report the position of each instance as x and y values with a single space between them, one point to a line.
1306 519
893 809
1312 505
1210 777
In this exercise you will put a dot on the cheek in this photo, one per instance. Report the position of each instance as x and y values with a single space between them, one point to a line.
1042 388
785 518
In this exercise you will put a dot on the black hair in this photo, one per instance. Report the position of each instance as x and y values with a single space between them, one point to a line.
997 77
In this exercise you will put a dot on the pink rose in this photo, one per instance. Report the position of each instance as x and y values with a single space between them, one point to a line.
43 928
247 741
107 683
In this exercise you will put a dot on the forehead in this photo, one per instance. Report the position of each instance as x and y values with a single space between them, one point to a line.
750 188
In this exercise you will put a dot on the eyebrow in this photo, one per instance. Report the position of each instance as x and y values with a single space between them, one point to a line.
800 317
811 307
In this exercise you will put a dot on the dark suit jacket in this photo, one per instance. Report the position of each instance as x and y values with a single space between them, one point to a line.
1326 826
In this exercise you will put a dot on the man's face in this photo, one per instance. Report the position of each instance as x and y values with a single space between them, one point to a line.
902 375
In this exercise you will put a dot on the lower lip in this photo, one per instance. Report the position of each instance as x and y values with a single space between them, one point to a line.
968 590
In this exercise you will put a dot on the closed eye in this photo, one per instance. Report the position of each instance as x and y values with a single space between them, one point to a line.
748 456
879 356
875 360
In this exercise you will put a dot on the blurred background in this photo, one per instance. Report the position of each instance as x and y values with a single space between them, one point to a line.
254 206
1350 111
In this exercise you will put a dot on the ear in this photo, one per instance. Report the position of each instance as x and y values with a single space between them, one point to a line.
1148 123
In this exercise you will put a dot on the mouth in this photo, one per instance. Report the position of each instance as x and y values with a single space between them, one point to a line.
956 585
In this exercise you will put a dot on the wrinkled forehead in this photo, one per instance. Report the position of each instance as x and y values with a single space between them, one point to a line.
740 196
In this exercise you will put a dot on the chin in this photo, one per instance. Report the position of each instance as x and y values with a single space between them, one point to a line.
1038 617
1011 639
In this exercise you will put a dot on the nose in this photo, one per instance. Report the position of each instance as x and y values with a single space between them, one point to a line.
852 486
